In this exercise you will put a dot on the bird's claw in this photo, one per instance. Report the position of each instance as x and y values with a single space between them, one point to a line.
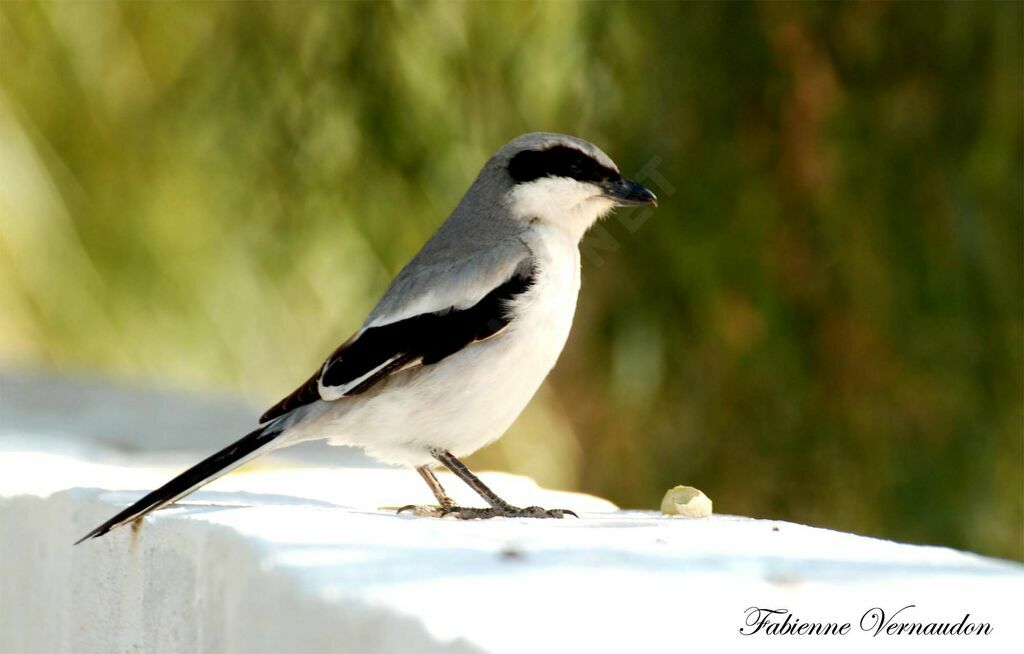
425 511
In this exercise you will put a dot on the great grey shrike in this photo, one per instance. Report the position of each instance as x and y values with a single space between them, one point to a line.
462 338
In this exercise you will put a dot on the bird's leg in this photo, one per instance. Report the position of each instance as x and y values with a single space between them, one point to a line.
436 487
445 503
499 507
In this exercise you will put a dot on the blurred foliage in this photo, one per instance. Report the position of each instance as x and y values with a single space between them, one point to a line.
822 322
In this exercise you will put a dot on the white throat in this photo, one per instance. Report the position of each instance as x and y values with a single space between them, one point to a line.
564 203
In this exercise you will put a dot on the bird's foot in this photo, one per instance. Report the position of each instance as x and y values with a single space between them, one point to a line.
426 510
471 513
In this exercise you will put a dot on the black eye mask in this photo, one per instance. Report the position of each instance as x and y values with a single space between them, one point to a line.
559 161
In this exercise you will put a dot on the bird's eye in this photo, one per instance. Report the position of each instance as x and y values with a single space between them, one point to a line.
576 168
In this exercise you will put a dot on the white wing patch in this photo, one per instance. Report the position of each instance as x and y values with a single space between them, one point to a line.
334 392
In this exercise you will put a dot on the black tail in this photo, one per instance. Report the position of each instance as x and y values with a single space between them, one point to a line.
192 479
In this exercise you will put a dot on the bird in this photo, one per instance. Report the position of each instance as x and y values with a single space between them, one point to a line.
461 339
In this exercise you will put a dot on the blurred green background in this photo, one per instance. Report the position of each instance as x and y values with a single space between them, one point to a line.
822 322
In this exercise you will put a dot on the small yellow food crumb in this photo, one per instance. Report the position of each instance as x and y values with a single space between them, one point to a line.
686 501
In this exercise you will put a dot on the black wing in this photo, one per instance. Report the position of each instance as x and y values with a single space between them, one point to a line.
425 339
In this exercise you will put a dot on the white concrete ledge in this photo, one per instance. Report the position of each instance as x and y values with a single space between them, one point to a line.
305 561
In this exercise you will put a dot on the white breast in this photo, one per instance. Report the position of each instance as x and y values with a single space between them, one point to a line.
472 397
545 313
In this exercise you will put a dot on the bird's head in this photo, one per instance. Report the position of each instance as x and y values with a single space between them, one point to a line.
564 181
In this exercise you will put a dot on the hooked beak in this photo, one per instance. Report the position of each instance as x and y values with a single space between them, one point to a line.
627 193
